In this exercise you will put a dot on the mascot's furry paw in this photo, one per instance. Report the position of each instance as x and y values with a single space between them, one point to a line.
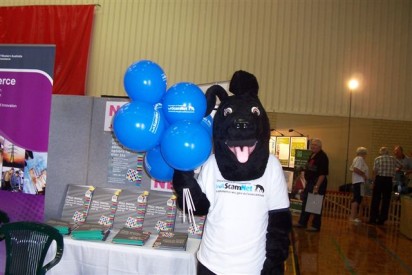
186 179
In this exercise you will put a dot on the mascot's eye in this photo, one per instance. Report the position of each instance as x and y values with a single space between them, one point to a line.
227 111
255 110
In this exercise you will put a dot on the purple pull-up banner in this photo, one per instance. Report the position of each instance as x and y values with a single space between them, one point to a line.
26 82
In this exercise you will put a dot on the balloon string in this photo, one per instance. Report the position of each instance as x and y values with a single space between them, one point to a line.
188 202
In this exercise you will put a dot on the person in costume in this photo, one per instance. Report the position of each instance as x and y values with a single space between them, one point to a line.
241 188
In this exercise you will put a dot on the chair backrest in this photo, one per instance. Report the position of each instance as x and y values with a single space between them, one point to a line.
27 244
4 218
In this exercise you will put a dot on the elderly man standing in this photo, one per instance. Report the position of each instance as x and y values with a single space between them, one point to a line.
384 167
316 172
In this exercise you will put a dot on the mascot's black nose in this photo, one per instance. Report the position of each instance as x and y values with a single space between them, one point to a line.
241 123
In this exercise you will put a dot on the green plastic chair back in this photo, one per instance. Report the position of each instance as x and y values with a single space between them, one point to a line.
4 218
27 244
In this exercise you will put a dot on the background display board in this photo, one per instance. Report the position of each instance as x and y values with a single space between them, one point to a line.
83 151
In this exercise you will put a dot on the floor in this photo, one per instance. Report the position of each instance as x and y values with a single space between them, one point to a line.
344 247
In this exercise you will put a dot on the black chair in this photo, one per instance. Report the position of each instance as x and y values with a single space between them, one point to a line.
4 218
27 244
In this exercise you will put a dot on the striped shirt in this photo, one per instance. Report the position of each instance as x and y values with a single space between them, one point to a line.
385 166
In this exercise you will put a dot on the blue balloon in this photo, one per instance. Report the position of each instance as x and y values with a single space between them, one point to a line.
184 101
186 145
159 107
145 81
138 126
156 166
207 123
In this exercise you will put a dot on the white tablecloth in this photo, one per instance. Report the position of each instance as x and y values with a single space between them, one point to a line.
98 258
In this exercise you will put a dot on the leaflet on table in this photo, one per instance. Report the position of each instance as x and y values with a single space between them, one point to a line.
103 206
77 203
131 209
160 212
195 230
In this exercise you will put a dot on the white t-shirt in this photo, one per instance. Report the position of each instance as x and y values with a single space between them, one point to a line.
234 237
359 162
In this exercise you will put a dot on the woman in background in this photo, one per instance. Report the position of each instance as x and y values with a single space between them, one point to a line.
360 174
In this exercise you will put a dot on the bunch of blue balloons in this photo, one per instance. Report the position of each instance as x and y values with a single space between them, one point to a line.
168 124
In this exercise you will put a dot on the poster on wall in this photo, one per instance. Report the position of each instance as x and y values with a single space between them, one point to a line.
296 143
301 158
125 166
283 150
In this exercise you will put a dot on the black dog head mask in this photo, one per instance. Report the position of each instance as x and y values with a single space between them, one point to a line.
241 129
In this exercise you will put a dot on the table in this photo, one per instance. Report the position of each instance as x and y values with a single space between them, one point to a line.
97 257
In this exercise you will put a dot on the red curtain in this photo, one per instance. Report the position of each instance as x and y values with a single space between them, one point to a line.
68 27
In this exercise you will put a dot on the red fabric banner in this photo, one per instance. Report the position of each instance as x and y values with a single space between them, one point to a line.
68 27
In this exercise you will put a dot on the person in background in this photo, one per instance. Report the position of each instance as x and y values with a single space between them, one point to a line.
384 167
316 172
401 175
16 180
360 174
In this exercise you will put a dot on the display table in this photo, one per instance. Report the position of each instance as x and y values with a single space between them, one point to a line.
92 257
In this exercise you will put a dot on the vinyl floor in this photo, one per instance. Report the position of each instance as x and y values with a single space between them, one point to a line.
344 247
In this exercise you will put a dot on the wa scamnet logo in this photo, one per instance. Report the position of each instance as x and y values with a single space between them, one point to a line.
240 187
184 108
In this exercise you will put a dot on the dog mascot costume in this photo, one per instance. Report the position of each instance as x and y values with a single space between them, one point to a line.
241 188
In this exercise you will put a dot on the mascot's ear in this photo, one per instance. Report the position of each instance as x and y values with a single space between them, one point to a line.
211 94
244 83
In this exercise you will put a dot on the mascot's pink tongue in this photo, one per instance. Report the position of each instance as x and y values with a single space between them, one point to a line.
242 154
